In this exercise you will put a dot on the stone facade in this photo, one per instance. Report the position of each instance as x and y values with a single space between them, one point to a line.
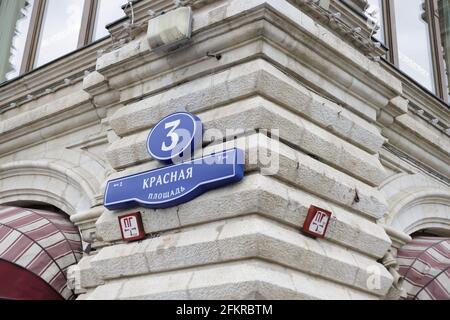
351 140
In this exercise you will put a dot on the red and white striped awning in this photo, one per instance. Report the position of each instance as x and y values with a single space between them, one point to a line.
425 264
41 242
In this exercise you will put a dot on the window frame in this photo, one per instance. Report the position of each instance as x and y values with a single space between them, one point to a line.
87 22
32 37
85 36
435 36
390 36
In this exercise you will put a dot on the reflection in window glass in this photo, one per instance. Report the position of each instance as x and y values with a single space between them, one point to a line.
107 11
414 42
375 12
60 29
15 19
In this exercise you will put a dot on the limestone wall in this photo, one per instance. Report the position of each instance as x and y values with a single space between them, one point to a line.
336 110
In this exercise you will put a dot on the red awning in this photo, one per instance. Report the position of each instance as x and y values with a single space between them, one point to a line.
41 242
425 264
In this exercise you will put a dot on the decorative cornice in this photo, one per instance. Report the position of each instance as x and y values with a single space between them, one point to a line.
351 27
137 16
430 119
396 107
422 103
99 89
399 238
416 164
61 73
338 16
118 66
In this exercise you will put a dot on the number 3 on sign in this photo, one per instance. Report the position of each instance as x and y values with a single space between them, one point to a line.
172 134
165 142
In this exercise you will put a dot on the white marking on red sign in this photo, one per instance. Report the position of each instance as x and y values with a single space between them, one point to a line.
317 221
131 227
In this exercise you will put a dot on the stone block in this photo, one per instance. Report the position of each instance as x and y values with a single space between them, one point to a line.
238 280
237 239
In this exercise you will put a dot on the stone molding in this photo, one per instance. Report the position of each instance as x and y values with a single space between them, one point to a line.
59 74
240 280
417 202
47 181
230 240
300 29
257 194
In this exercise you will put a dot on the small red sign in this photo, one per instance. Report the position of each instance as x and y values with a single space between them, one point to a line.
316 223
132 227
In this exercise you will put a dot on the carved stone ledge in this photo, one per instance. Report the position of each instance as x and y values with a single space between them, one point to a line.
61 73
399 238
98 87
396 107
85 221
341 18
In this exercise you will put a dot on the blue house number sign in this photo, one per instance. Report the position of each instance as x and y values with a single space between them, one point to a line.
174 135
172 140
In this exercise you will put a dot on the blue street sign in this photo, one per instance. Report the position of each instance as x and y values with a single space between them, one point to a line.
175 137
172 185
